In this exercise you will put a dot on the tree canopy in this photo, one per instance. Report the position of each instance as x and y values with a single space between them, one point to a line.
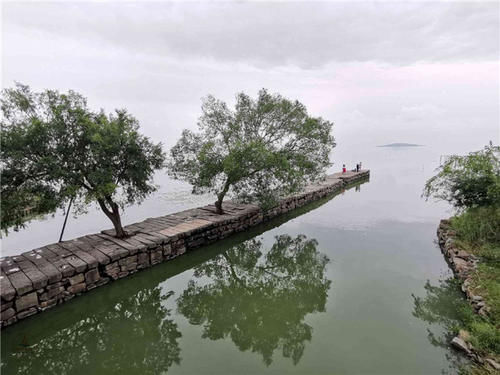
54 148
468 181
261 150
260 300
98 343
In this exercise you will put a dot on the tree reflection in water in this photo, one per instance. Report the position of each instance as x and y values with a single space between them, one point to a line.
134 337
444 306
260 301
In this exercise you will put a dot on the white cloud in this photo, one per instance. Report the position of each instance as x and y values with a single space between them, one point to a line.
275 34
419 73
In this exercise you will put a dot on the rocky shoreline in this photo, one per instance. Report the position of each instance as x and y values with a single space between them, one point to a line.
464 265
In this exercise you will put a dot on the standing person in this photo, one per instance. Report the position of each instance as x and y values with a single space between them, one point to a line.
357 168
343 168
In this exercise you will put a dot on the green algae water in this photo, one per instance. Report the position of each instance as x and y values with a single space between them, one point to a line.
352 284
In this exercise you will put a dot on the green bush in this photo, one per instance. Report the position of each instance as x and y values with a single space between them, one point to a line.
478 225
468 181
485 336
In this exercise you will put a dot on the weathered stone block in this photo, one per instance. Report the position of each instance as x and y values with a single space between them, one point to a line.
63 266
54 292
128 260
77 288
7 305
6 290
92 276
122 274
21 283
7 314
77 279
48 304
100 256
43 297
167 249
114 252
52 273
181 250
143 260
460 344
129 267
112 270
111 267
102 281
27 301
91 261
156 256
78 264
26 313
196 243
54 286
38 279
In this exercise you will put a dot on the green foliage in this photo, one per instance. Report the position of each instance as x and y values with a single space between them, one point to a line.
262 150
485 336
478 231
486 282
54 148
259 300
99 342
478 225
445 304
468 181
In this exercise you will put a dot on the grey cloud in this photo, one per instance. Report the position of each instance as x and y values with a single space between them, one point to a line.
274 34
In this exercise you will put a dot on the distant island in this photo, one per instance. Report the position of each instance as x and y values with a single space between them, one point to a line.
401 145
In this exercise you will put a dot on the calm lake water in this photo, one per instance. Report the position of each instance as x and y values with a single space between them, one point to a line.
328 289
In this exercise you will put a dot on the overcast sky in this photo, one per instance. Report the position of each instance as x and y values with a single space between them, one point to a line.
416 72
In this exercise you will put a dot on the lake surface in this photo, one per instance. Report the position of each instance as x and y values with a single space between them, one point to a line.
328 289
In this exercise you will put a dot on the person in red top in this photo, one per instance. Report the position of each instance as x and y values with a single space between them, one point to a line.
343 168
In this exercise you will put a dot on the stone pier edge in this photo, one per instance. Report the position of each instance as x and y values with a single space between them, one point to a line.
39 279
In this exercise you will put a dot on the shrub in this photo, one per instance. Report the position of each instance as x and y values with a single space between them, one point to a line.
468 181
478 225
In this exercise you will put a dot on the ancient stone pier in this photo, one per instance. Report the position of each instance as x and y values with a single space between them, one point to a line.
42 278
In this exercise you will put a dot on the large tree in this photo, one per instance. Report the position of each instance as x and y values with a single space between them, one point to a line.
261 150
55 149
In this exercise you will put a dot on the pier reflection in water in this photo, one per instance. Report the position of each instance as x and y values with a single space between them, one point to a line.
258 297
135 335
258 300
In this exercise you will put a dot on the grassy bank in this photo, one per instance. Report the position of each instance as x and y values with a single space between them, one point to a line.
478 233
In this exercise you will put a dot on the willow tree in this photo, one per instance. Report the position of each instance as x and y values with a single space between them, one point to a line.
54 149
263 149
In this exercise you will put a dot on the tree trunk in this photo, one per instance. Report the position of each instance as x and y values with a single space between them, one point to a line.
218 206
113 214
220 198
